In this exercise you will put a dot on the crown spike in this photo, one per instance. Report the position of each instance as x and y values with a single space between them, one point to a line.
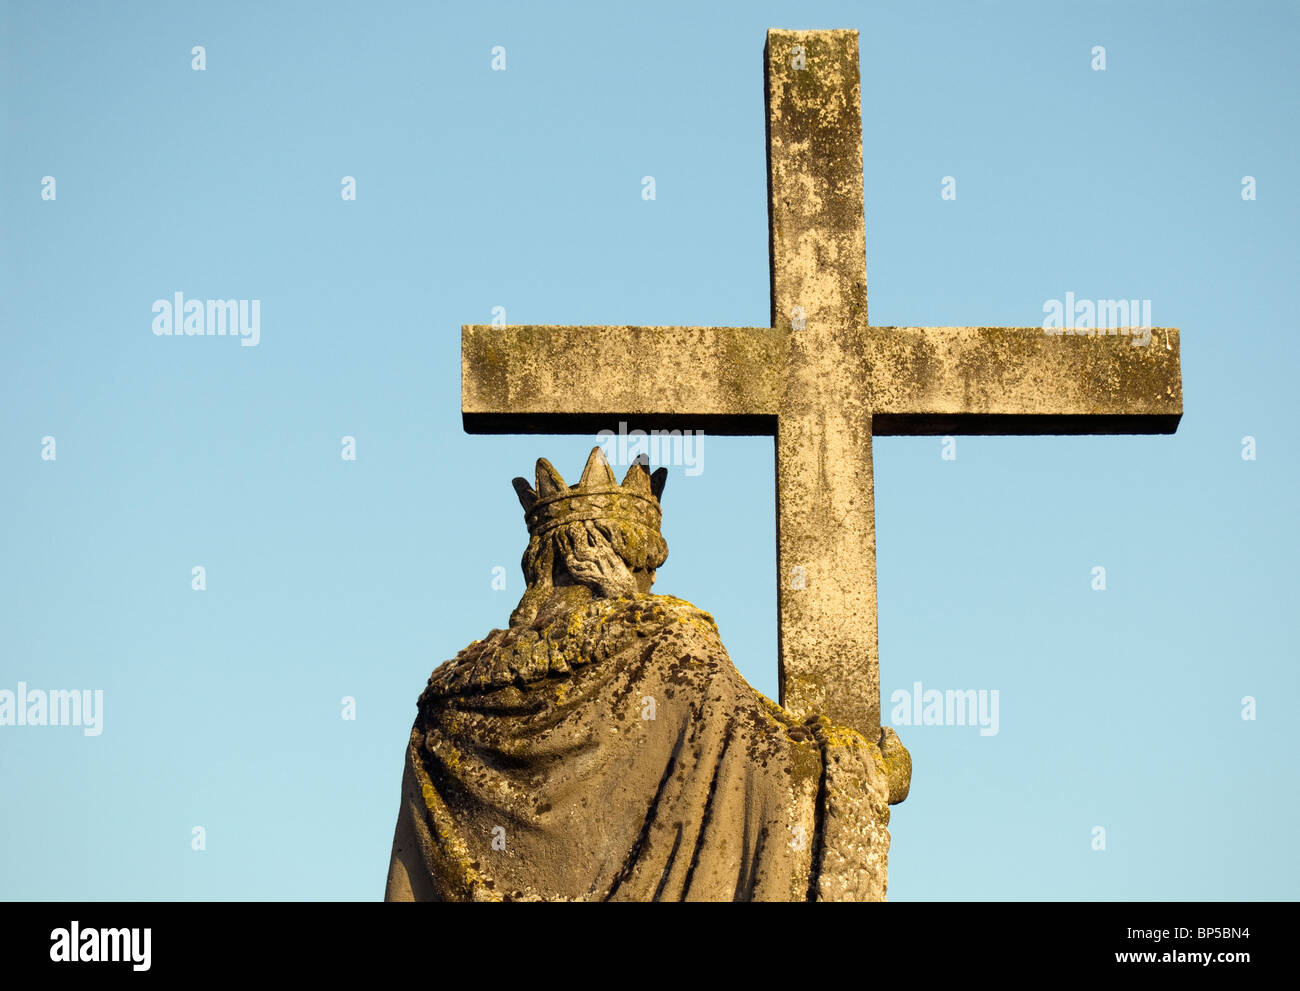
657 481
550 483
597 474
527 497
637 478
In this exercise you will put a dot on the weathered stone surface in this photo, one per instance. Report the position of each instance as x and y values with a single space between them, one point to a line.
826 532
1021 380
524 378
604 747
918 380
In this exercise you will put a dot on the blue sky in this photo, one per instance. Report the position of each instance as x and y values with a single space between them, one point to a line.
522 189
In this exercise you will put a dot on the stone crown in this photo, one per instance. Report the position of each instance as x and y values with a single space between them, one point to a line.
598 495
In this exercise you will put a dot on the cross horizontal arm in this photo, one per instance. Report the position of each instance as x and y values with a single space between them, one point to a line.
522 379
1022 380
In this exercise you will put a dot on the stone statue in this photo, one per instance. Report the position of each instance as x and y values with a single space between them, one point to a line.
605 748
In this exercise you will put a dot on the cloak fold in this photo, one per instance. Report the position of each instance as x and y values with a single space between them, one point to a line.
614 753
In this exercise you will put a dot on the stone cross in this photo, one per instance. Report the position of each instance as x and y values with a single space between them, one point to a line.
821 380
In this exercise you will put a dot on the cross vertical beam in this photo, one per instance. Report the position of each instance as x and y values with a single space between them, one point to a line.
826 561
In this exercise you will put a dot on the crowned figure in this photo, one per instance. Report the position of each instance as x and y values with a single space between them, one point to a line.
605 748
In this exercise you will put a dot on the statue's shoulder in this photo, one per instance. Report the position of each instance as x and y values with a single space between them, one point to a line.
645 610
563 640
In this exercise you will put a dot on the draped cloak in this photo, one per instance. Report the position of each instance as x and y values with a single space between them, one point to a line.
615 753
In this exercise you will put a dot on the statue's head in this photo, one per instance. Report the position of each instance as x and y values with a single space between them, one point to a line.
597 534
